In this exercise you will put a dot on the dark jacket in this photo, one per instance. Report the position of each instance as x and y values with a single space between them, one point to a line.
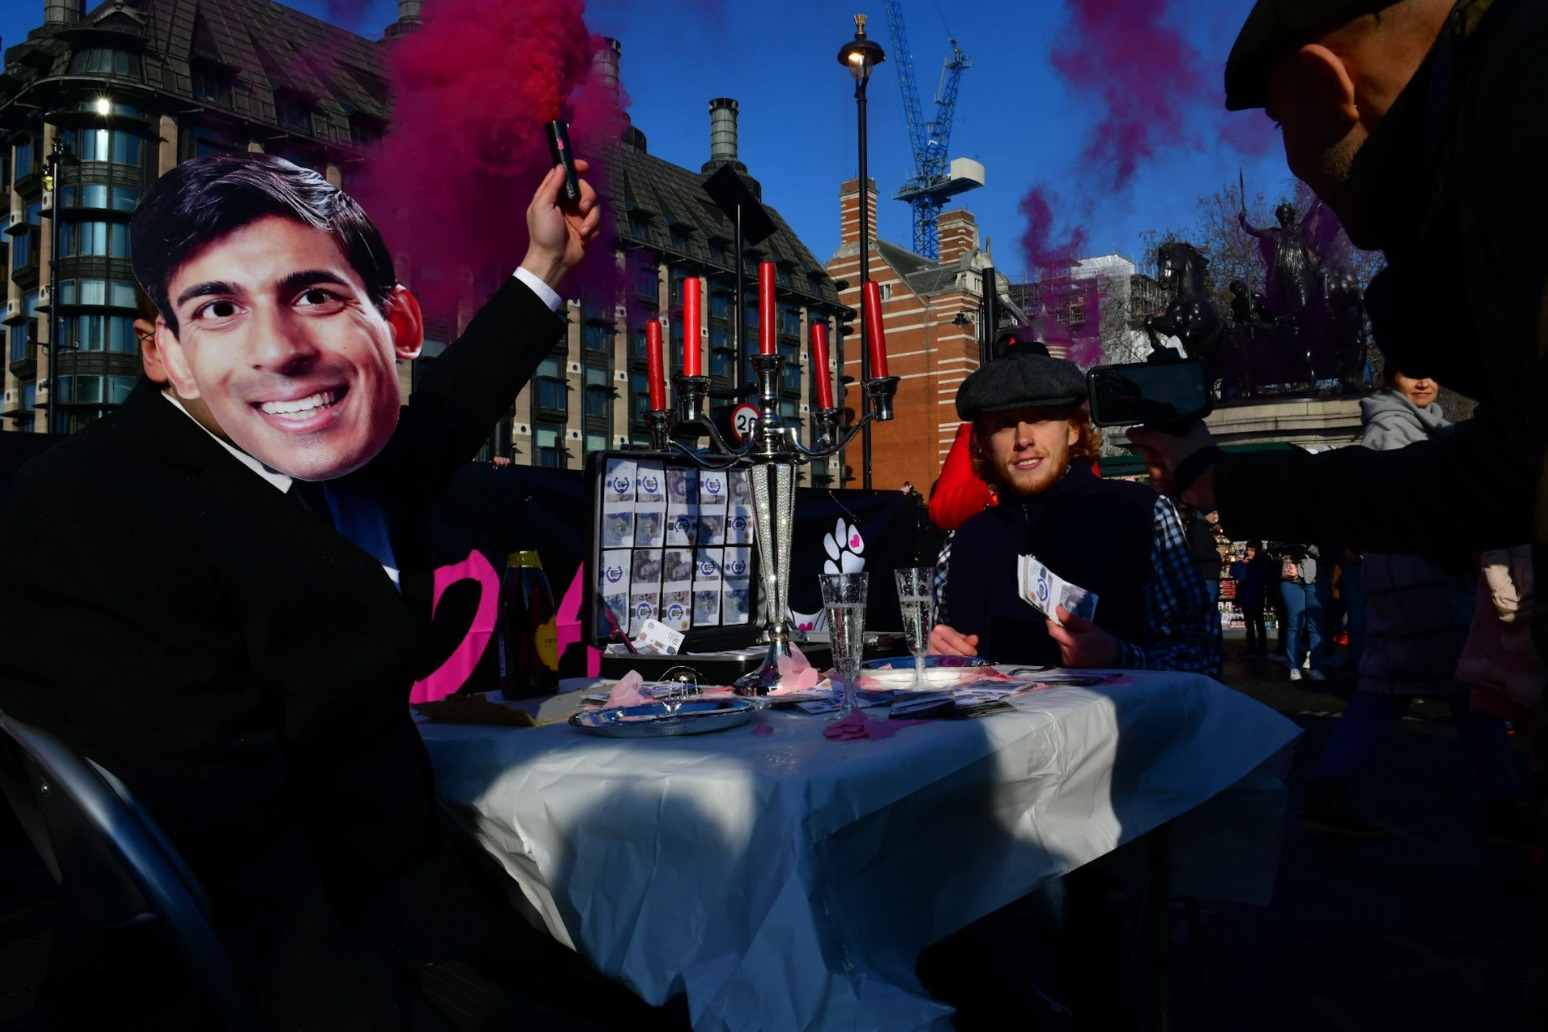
1452 179
245 670
1095 533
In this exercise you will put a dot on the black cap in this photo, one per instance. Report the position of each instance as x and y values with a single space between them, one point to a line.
1023 379
1273 26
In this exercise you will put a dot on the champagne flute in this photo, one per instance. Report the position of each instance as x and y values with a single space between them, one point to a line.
843 596
916 601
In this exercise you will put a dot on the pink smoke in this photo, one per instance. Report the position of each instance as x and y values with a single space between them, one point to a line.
1156 94
473 87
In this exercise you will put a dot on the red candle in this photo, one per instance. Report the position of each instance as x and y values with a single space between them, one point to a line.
876 336
691 323
655 366
820 364
765 308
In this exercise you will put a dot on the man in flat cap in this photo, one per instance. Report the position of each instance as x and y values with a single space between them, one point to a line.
1031 439
1424 125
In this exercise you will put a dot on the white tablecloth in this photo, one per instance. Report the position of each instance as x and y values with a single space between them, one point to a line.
785 881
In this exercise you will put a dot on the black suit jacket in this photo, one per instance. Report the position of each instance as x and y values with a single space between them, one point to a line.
245 670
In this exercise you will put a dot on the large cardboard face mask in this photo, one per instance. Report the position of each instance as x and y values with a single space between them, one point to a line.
279 339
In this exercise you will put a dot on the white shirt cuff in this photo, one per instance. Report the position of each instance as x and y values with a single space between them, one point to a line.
548 295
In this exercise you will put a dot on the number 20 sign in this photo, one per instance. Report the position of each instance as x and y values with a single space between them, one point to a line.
744 419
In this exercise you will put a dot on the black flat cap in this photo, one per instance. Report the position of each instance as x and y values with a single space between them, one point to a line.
1023 379
1273 26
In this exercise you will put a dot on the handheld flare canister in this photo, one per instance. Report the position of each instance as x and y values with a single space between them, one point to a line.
559 149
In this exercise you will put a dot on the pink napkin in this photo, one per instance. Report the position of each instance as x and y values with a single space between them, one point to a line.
858 725
627 691
796 673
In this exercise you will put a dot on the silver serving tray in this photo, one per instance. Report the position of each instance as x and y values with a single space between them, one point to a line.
661 719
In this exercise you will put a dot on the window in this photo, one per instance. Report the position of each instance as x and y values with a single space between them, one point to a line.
119 388
680 237
212 84
637 344
639 224
546 439
646 283
720 363
209 141
102 61
29 398
94 238
30 305
790 322
789 409
675 296
599 394
25 158
80 390
20 343
790 376
639 397
552 395
596 442
720 305
100 333
98 195
21 250
292 111
109 145
596 337
718 250
364 131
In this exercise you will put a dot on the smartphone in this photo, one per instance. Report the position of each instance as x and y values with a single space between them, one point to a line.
1162 394
559 151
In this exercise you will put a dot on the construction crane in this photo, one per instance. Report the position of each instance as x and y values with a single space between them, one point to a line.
935 178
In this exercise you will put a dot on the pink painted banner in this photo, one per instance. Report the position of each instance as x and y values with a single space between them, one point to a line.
454 673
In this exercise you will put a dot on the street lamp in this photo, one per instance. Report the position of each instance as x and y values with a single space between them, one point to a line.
860 55
59 155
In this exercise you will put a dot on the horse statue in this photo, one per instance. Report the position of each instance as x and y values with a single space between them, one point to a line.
1190 316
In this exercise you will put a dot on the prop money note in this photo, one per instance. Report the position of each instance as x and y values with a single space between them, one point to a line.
1045 590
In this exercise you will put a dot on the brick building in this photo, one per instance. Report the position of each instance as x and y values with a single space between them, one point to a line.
932 311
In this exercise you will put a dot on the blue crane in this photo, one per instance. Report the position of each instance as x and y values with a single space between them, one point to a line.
931 184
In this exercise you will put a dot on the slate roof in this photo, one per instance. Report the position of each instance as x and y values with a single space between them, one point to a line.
664 207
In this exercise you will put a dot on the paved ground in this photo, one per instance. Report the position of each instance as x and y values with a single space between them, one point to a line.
1429 929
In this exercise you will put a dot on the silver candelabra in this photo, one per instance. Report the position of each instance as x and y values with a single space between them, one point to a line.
772 452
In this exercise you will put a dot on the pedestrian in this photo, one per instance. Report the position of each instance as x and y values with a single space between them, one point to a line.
1417 619
1301 631
1251 577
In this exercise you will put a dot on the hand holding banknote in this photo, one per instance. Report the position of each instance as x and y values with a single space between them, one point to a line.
1081 642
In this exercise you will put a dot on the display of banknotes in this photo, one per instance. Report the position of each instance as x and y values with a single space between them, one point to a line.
1045 591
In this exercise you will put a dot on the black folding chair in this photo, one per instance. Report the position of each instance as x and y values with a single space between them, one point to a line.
114 863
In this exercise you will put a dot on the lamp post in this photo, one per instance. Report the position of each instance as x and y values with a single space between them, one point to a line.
60 154
860 55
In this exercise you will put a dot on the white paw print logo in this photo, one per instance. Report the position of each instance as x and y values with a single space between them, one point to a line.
846 549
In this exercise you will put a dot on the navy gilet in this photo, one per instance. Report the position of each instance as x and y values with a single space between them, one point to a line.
1094 533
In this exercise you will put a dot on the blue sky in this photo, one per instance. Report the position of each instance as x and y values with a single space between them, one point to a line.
1016 115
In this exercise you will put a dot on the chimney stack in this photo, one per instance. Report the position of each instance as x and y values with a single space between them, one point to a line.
62 12
849 212
723 111
604 65
723 129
